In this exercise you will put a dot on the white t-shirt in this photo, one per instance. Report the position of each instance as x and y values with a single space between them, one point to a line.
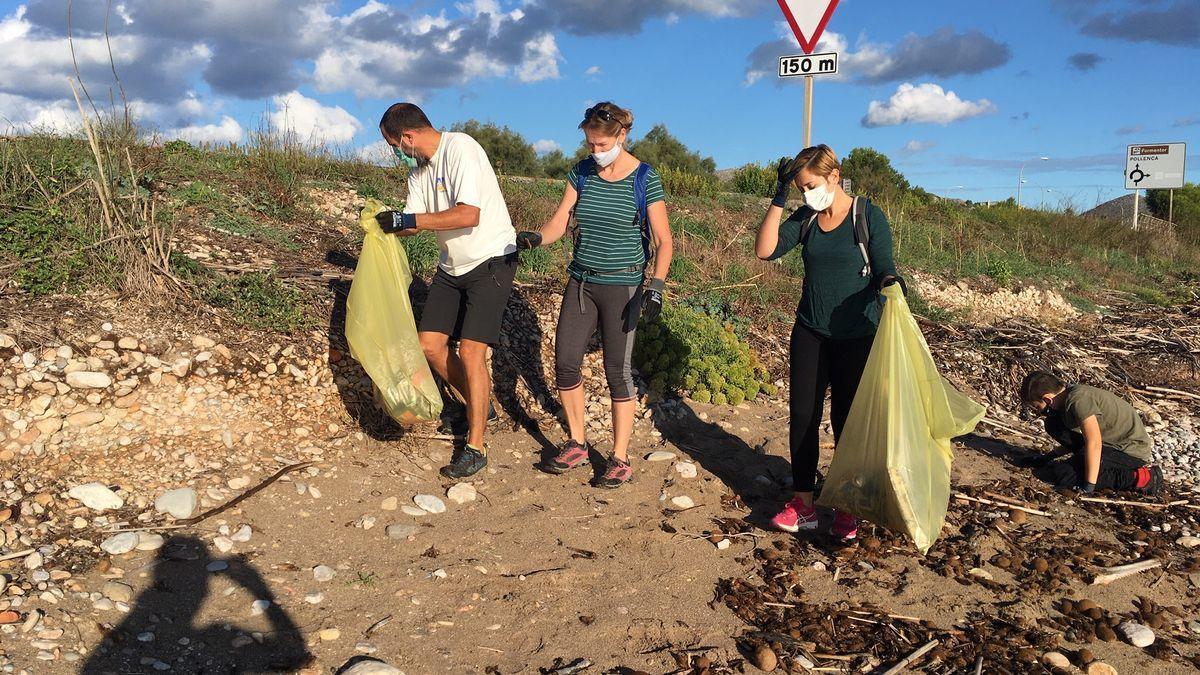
459 173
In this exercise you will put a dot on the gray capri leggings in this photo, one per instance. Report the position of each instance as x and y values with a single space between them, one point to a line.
582 309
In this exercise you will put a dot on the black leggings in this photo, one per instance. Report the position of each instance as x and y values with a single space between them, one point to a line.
1118 469
819 364
583 308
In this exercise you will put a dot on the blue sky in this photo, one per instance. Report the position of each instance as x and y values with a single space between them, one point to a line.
958 94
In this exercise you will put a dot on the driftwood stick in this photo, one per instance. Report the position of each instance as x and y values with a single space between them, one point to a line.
18 555
990 502
1122 502
1112 574
247 494
922 651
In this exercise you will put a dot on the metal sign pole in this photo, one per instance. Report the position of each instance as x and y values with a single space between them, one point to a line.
1135 209
808 104
1171 206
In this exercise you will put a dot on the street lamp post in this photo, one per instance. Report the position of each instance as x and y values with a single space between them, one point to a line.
1021 179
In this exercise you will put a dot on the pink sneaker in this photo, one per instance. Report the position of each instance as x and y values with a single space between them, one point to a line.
845 526
795 516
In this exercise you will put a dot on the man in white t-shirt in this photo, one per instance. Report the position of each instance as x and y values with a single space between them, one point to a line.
452 191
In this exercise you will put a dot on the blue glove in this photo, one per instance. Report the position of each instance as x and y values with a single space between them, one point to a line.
395 221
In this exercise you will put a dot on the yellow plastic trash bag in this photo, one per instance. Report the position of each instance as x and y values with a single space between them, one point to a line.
380 326
892 463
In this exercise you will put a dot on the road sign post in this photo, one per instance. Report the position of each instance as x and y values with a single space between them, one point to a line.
1157 166
807 19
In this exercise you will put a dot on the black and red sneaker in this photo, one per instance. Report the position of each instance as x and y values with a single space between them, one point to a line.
617 473
570 455
1149 480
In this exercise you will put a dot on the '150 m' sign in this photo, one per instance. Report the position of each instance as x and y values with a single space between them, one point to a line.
808 64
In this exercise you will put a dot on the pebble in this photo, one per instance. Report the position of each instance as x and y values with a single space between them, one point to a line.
1136 634
117 591
764 659
685 469
365 648
103 605
180 503
461 493
223 544
1188 542
1100 668
369 667
390 504
86 379
40 576
121 543
430 503
413 511
150 541
980 573
1194 626
33 561
323 573
314 598
330 634
242 535
217 566
682 502
399 531
96 496
259 606
1055 660
723 544
660 456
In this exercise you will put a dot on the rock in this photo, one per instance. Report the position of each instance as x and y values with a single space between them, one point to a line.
390 504
86 379
181 367
117 591
120 544
724 544
1100 668
201 342
430 503
660 456
128 343
223 544
242 535
1188 542
1194 626
217 566
8 617
980 573
1017 517
1055 660
1136 634
180 503
33 561
314 598
413 511
323 573
461 493
330 634
149 541
49 426
682 502
368 667
258 607
400 531
685 469
764 659
85 418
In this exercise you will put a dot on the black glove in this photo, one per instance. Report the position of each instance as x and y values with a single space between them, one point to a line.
785 174
652 300
1035 461
1085 488
894 279
395 221
529 240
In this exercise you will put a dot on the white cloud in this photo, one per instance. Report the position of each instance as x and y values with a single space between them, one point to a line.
308 121
227 131
914 146
379 153
19 114
541 59
593 71
924 104
545 145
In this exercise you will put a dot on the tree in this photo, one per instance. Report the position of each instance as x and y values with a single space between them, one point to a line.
1186 208
555 164
508 150
872 174
663 151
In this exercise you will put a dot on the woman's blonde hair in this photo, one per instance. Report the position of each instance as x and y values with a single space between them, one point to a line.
818 160
608 118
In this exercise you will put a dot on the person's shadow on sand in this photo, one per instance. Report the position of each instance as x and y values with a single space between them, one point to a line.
162 626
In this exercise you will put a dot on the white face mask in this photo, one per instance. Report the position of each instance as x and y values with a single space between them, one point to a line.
608 156
819 198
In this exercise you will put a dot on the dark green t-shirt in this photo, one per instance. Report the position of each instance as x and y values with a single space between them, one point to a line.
609 236
837 301
1120 424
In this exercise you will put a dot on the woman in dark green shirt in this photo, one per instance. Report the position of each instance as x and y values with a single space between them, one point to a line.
608 286
844 268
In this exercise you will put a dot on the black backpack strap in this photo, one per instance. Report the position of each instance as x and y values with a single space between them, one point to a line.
808 223
862 232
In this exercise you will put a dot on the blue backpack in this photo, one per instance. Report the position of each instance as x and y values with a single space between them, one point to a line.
587 167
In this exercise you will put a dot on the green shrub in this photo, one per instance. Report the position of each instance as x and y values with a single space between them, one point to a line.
683 184
1000 271
423 254
692 352
258 300
755 179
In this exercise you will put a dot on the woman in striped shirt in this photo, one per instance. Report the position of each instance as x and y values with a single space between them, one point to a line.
616 226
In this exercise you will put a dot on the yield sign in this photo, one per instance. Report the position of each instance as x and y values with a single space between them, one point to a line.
808 18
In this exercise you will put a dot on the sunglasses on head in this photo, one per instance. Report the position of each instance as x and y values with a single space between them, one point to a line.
599 113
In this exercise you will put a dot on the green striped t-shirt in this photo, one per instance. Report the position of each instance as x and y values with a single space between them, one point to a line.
609 237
